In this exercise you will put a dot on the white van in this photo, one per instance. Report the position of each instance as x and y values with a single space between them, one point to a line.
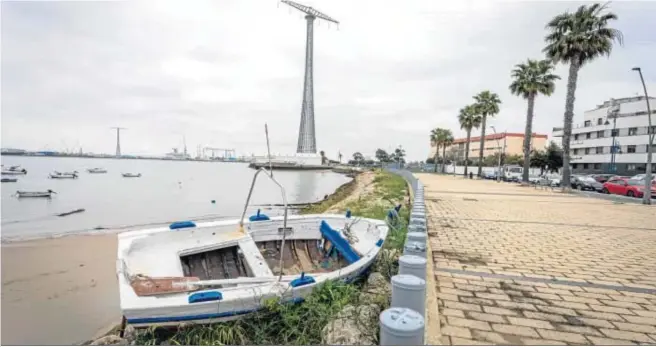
512 173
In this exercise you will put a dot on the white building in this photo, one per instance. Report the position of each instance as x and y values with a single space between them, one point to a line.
591 142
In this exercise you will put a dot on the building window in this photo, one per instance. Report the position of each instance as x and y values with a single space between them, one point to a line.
587 123
631 149
653 130
575 166
576 151
585 166
587 151
588 135
600 121
576 137
600 150
600 134
615 132
633 131
597 166
631 167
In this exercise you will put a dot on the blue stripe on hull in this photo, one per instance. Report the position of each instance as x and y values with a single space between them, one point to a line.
205 316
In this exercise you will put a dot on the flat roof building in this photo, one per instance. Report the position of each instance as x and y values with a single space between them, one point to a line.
514 145
622 121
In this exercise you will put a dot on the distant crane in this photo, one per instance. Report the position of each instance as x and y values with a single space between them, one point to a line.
307 141
118 140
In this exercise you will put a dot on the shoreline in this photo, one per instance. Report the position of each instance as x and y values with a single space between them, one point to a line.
73 276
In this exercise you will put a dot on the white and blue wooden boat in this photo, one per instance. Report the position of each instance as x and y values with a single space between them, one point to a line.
97 170
216 271
131 175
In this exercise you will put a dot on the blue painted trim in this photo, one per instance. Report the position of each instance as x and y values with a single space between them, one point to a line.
199 316
339 242
302 281
181 225
214 295
258 217
380 242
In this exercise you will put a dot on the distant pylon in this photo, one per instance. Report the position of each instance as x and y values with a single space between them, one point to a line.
118 140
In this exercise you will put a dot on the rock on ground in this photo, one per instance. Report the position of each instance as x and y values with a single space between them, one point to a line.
354 325
377 290
110 340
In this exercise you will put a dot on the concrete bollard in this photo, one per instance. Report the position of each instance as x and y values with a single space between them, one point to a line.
412 265
416 237
415 248
414 228
409 291
419 221
401 327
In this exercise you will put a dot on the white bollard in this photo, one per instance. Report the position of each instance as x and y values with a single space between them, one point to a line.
409 291
415 248
401 327
412 265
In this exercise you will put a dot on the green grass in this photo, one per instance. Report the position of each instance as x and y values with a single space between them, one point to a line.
281 323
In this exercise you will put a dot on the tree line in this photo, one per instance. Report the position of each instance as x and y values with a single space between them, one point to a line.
573 39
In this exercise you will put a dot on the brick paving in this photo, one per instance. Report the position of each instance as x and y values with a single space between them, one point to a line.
522 266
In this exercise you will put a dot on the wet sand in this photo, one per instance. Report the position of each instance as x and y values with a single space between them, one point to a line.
58 291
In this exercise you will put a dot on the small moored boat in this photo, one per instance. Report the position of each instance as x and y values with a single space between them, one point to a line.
131 175
14 170
97 170
59 175
45 194
9 180
216 271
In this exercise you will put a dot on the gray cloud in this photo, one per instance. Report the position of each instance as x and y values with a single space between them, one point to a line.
215 71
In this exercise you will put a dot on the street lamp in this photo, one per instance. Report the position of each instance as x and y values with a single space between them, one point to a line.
646 197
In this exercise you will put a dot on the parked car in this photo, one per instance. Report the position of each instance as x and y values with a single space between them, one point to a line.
554 178
641 177
534 179
628 187
586 183
602 178
489 175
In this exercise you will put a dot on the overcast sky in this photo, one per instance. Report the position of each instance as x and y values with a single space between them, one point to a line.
216 71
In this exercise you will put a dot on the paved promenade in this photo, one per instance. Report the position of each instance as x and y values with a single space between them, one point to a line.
519 266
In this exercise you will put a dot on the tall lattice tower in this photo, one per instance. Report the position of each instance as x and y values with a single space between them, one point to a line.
118 140
307 140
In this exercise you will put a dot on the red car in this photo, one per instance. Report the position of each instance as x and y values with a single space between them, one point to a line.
628 187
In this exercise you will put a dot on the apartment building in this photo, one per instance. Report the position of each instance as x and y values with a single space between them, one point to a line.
514 145
623 122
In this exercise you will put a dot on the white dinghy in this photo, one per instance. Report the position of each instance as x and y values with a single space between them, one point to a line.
218 271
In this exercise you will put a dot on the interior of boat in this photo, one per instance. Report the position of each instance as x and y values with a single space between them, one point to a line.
299 256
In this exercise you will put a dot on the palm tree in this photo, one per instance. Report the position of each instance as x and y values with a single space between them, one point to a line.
446 139
435 137
487 104
575 39
530 79
468 119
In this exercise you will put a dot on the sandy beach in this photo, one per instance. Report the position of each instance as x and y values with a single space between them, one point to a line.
58 291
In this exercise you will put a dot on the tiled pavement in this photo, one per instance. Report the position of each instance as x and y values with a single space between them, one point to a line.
515 265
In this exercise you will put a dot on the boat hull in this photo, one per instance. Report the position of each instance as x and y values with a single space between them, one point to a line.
137 253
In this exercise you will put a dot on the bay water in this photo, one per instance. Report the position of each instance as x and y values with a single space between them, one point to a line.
167 191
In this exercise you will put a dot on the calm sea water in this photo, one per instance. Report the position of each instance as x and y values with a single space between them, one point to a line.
167 191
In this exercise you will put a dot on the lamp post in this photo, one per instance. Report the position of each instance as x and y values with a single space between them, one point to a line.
646 197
